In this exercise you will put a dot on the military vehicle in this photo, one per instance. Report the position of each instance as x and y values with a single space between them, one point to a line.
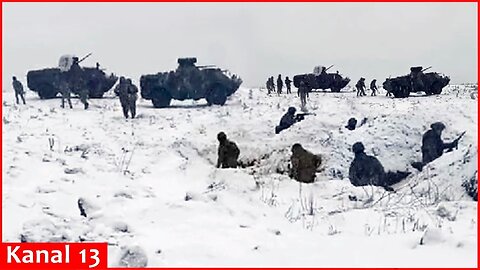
320 79
46 82
431 83
189 81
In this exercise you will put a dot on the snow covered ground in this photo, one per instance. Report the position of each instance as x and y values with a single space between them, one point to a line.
150 184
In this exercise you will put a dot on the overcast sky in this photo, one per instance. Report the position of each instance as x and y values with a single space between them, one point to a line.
254 40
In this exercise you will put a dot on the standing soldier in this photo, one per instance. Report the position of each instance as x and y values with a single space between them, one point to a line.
18 88
65 90
279 84
288 83
361 87
303 90
267 84
272 84
373 87
77 81
122 91
228 152
132 97
304 164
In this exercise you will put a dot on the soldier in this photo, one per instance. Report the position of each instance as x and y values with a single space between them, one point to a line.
304 164
132 97
288 83
122 91
351 124
18 88
228 152
267 84
65 90
361 87
272 84
373 87
77 81
303 92
288 119
279 84
367 170
432 144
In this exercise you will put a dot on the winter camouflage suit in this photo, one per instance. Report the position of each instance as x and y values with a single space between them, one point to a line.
304 164
228 152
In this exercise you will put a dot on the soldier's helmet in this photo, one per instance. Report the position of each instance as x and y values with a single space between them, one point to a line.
129 81
75 59
122 79
362 79
292 110
437 126
221 136
296 147
358 148
14 78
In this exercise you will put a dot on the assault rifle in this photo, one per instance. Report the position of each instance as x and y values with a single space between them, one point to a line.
455 142
301 116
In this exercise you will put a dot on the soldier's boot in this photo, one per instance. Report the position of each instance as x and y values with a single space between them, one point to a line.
69 102
23 99
16 97
63 103
125 111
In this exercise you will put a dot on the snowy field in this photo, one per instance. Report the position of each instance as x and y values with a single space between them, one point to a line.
150 184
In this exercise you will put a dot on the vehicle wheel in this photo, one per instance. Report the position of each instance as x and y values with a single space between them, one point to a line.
161 99
401 92
335 89
47 91
216 96
436 89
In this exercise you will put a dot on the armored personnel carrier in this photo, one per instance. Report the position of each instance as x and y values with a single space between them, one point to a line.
189 81
46 82
432 83
320 79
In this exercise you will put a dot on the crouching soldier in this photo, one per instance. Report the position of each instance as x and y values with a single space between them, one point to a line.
228 152
304 164
367 170
433 145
